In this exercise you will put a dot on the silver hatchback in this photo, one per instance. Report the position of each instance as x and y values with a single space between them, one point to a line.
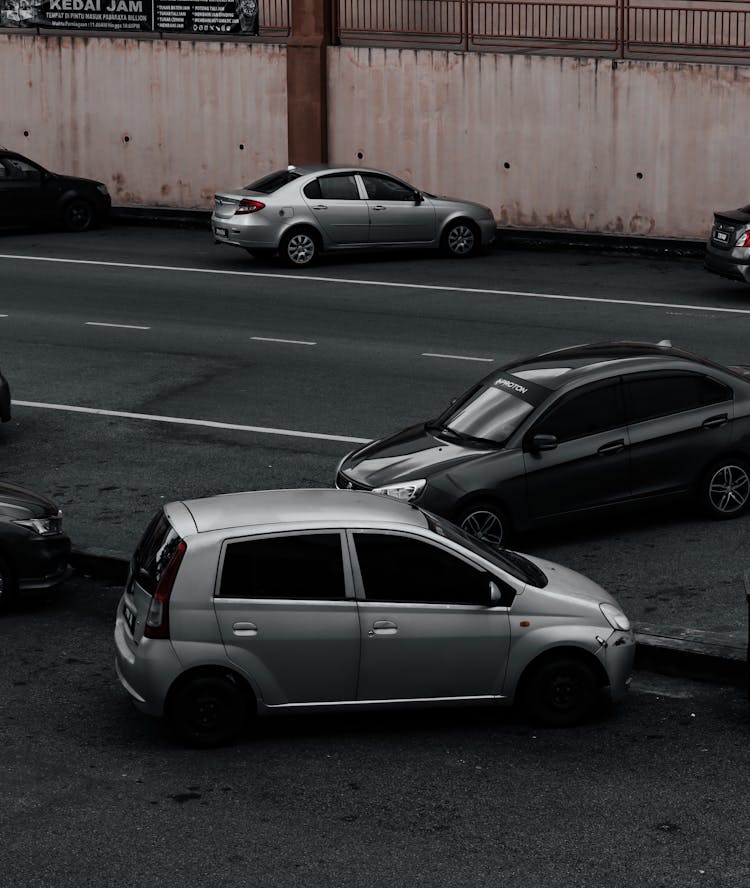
303 211
279 601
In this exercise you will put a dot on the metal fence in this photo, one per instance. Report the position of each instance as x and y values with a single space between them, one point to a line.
718 30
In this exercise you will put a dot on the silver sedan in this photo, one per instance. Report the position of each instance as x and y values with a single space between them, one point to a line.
303 211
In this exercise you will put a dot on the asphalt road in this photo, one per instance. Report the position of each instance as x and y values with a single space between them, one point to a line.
93 794
369 345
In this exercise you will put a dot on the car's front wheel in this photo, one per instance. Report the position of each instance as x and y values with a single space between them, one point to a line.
299 248
559 692
78 215
486 522
725 489
208 711
460 239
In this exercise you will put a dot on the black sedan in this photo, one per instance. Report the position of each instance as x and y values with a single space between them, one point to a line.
31 195
34 549
728 248
570 431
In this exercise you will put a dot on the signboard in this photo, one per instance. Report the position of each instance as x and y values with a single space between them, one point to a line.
163 16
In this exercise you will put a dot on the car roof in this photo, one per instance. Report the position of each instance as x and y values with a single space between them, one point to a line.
263 508
554 369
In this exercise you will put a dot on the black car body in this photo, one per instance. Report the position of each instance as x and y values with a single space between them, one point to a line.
31 195
34 549
4 399
728 248
569 431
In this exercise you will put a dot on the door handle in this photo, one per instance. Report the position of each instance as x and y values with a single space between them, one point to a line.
383 627
716 422
320 207
612 447
379 207
244 629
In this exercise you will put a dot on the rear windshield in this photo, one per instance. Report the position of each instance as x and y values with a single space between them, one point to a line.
274 181
154 552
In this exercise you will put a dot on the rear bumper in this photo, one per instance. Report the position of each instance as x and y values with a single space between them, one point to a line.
248 232
726 265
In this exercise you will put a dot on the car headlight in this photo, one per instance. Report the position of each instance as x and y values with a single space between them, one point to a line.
43 526
102 189
615 617
406 490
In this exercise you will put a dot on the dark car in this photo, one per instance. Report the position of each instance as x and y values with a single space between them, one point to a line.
31 195
4 399
33 548
569 431
728 248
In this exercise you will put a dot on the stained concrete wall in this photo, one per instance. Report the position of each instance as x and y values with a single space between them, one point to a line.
162 122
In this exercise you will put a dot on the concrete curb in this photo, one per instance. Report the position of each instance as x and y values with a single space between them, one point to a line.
687 653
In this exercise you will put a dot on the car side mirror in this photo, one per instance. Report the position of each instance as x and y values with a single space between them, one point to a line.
495 594
418 197
543 442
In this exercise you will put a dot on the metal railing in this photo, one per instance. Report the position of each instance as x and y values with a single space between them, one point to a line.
710 29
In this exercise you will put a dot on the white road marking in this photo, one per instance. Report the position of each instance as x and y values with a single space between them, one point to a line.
392 284
205 423
288 341
123 326
455 357
3 316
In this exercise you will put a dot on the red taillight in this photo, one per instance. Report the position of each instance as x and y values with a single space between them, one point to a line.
157 621
248 206
744 240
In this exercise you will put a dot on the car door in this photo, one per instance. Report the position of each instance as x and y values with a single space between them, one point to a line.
427 630
288 617
338 208
678 423
397 214
588 464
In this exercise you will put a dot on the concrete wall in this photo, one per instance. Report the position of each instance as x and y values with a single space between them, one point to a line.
566 143
162 122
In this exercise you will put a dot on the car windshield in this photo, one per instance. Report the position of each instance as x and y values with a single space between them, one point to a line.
485 414
506 559
274 181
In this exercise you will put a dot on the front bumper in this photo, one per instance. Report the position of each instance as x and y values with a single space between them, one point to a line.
41 562
619 656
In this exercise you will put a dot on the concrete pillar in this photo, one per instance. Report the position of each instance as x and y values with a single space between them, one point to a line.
307 110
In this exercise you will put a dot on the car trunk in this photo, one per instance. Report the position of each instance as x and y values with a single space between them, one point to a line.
728 226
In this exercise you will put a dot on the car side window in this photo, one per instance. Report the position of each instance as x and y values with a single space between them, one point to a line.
19 169
662 394
399 569
336 187
302 566
589 412
385 188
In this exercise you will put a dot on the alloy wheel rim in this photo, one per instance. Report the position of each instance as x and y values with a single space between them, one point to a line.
484 525
729 489
461 240
301 249
79 216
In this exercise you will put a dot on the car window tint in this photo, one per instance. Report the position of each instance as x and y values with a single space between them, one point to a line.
396 568
20 169
662 394
272 182
583 413
304 566
385 188
154 551
337 188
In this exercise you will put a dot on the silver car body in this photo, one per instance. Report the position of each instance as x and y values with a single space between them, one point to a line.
332 654
347 208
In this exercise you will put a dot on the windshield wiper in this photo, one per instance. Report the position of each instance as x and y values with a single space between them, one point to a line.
448 432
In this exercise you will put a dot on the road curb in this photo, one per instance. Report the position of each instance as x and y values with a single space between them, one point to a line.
676 651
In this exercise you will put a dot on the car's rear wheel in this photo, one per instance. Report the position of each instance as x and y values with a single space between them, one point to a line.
7 585
208 711
559 692
78 215
486 522
299 248
460 239
725 489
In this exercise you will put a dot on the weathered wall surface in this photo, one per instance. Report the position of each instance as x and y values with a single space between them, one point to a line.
567 143
646 148
162 122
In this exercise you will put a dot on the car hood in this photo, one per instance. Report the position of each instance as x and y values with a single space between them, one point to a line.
570 584
18 502
448 203
77 181
413 453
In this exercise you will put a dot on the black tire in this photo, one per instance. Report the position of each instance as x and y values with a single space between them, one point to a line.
461 239
208 711
8 586
299 248
725 489
486 522
78 215
559 692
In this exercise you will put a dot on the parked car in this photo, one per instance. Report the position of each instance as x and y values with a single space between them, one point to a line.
31 195
291 600
4 399
303 211
570 431
728 248
34 549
